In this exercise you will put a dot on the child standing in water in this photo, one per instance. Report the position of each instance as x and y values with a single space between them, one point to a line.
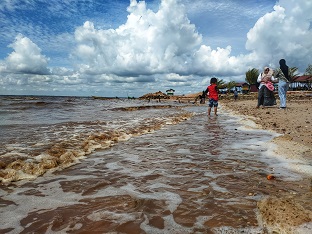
212 91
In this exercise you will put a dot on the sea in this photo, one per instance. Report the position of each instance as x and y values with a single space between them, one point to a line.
118 165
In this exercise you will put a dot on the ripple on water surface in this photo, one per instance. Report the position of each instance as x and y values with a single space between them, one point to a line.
200 176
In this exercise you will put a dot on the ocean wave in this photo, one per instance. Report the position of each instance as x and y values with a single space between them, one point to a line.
135 108
73 142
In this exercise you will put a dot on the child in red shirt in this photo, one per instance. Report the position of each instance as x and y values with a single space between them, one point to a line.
212 91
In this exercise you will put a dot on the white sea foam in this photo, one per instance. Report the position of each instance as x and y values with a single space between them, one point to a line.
171 227
157 171
99 215
198 189
218 188
183 151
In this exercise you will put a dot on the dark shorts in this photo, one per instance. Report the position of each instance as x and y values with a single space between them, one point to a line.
212 103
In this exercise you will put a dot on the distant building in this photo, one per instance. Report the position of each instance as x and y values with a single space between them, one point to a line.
301 83
245 88
170 92
241 87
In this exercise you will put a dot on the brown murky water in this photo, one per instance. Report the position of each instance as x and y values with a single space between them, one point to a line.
199 176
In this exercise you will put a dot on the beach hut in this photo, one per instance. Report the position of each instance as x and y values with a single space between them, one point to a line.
170 92
253 88
301 83
158 95
242 87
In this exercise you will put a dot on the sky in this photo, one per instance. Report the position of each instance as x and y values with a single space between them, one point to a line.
120 48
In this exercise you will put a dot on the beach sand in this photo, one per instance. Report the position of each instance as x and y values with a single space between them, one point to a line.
286 212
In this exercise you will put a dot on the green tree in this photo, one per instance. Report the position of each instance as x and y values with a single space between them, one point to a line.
230 85
308 71
293 72
252 76
221 84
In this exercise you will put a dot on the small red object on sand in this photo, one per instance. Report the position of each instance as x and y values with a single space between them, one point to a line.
270 177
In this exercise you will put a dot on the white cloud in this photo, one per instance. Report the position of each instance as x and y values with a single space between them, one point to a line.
26 58
219 61
284 33
166 42
8 5
147 43
161 49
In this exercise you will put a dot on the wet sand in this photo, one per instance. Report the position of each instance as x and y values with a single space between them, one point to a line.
289 209
173 181
206 177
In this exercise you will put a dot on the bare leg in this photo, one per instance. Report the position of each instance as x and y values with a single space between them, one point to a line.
209 111
215 110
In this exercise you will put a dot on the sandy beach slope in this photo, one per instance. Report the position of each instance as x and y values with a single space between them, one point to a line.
286 212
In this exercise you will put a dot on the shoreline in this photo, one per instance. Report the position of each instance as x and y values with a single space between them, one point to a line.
289 212
278 205
293 124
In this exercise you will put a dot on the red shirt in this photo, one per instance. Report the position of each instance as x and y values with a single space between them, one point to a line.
213 92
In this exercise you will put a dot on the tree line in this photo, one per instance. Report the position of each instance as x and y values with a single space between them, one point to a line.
252 76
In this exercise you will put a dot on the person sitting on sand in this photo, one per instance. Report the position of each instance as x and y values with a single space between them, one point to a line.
265 94
212 91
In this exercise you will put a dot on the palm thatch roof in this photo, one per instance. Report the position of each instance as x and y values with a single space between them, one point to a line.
155 95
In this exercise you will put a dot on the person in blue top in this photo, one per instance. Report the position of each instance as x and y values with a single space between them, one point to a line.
235 94
283 75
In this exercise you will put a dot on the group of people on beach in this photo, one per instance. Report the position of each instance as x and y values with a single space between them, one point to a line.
266 87
267 78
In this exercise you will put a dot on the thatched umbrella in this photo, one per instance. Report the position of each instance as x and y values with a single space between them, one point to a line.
157 95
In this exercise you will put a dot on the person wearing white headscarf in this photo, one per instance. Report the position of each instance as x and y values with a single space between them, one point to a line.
266 88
